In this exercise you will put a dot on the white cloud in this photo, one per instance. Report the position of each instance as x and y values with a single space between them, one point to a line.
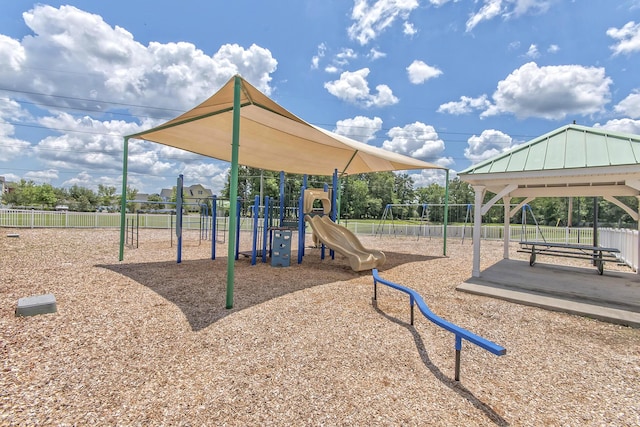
79 56
211 174
12 54
419 72
627 37
488 144
554 48
315 60
551 92
409 29
345 55
376 54
621 125
331 69
521 7
360 128
95 144
426 177
354 88
533 51
441 2
42 177
83 179
11 177
416 140
10 146
489 10
465 105
507 9
372 19
630 106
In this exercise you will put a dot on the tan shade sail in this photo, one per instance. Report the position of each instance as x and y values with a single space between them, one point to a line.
272 138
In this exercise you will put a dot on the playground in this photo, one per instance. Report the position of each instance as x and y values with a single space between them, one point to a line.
148 341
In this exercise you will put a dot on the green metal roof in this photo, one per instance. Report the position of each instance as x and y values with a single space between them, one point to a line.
568 147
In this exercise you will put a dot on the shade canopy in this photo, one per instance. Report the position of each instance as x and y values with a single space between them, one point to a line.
272 138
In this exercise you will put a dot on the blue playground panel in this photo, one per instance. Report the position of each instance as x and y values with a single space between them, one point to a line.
281 248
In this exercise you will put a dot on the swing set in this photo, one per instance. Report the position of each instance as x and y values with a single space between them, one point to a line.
422 225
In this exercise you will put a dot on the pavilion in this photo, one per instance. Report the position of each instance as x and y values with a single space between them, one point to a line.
573 160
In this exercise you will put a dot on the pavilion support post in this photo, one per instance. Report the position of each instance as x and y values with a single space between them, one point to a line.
507 225
595 228
233 191
638 248
123 197
477 228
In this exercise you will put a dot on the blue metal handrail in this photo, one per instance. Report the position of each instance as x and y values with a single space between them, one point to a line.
460 333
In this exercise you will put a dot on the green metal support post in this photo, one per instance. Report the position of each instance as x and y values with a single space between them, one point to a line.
233 191
446 213
123 197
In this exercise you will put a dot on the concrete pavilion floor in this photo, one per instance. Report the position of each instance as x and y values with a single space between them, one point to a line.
613 297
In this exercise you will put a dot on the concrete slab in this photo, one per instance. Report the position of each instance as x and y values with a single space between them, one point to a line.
40 304
613 297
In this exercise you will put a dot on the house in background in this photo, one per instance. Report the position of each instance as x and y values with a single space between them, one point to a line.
193 196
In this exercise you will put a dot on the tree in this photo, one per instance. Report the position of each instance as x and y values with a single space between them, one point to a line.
82 199
381 187
106 195
356 203
153 206
460 192
45 195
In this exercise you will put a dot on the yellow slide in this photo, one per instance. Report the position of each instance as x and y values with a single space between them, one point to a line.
343 241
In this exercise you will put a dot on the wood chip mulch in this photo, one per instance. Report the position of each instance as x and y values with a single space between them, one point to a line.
148 341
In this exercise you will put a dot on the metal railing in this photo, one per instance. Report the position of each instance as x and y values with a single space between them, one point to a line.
460 333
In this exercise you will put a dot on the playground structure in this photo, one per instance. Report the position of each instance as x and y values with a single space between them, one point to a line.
460 333
271 215
336 237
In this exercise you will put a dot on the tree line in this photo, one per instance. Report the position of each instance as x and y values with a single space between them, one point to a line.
363 196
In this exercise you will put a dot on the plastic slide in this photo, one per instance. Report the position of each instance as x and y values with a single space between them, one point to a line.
343 241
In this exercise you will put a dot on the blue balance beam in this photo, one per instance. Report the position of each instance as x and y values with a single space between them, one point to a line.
460 333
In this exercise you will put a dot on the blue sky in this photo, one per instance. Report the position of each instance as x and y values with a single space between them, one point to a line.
448 81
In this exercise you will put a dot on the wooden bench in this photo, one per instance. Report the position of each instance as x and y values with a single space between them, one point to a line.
597 254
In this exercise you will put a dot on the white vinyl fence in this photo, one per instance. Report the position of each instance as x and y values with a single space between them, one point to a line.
623 239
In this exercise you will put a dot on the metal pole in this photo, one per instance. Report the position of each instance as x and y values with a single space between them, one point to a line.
123 198
458 351
233 189
281 198
179 217
214 225
446 213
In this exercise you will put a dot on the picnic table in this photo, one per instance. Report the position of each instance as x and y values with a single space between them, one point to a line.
597 254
